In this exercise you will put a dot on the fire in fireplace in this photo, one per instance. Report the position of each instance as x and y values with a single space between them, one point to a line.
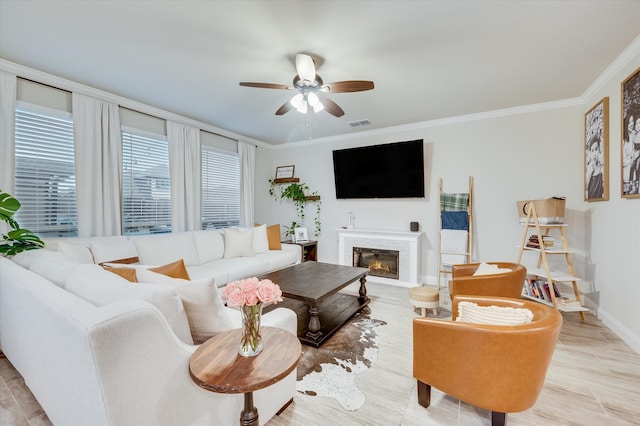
381 262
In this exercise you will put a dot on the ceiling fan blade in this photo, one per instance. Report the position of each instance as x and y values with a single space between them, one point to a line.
305 67
349 86
265 85
285 108
332 107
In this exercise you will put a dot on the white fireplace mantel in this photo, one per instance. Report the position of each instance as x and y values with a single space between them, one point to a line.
405 242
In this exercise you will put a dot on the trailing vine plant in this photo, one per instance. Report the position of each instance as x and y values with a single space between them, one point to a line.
299 194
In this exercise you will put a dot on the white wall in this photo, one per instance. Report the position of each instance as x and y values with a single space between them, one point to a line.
613 227
522 154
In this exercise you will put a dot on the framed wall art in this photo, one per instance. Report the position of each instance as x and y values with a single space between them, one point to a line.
630 150
284 172
301 235
596 152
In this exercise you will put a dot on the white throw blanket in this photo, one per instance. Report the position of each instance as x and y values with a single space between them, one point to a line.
453 240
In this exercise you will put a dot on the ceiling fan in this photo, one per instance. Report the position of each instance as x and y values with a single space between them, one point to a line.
311 89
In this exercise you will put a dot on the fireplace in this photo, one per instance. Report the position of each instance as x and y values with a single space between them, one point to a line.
381 262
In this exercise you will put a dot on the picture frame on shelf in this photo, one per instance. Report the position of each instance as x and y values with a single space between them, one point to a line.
630 136
300 235
596 152
284 172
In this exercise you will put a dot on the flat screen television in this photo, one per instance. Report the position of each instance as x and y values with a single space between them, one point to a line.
393 170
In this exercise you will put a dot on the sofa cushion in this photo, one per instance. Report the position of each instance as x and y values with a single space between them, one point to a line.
273 235
99 287
278 259
25 258
174 270
226 270
260 239
77 252
495 315
205 310
209 245
161 249
53 265
114 250
238 243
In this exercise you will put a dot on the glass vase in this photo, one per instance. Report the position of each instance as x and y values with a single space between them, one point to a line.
251 341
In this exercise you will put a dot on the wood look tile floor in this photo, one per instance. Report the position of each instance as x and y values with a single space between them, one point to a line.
594 379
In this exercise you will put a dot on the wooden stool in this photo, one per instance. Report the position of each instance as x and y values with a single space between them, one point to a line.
424 298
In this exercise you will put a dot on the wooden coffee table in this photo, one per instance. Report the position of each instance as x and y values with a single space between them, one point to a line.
311 290
217 366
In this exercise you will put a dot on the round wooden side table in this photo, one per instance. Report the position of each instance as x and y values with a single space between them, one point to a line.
216 365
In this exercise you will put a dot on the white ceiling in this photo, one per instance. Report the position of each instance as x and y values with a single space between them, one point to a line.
429 59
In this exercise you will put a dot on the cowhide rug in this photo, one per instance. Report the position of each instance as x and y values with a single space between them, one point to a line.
331 370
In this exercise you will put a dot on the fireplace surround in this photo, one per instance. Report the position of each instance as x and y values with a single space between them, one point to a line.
406 243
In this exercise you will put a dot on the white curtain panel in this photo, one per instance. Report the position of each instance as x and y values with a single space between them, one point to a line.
184 171
98 149
8 84
247 154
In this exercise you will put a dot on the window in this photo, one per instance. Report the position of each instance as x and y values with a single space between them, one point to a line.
146 194
45 173
220 188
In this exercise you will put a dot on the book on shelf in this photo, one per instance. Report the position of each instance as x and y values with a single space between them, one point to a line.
539 289
547 240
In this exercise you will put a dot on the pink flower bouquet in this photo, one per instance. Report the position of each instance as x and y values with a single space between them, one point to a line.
250 292
251 295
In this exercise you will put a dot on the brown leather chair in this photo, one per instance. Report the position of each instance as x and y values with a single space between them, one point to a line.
498 368
506 284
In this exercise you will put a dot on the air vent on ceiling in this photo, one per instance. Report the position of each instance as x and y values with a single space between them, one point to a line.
359 123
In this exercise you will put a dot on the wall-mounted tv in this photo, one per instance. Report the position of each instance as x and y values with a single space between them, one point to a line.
393 170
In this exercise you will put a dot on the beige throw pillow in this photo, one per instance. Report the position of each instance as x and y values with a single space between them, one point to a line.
205 310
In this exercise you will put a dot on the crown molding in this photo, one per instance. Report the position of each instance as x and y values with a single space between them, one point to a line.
627 55
545 106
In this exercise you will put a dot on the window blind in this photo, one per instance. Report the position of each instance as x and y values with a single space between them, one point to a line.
146 195
220 188
45 174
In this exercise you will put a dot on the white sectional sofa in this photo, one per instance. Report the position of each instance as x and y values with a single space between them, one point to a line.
96 349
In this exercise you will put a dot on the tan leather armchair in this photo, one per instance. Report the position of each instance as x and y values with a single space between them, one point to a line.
506 284
498 368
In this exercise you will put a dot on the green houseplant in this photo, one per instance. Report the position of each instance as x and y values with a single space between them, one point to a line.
17 239
299 194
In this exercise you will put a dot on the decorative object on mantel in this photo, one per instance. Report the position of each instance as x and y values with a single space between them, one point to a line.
250 295
18 239
299 194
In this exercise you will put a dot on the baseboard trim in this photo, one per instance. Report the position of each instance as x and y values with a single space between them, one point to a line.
620 330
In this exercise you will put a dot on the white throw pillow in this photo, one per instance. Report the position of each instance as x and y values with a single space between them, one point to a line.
209 245
238 243
205 310
494 315
100 287
76 252
113 250
160 249
260 240
489 269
